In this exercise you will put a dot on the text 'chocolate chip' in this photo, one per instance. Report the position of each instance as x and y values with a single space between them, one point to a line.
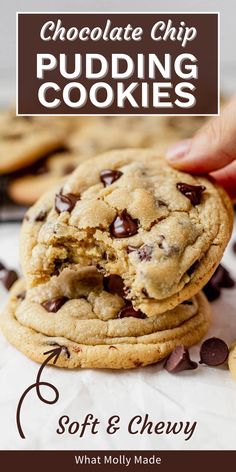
179 360
123 226
108 176
192 192
213 352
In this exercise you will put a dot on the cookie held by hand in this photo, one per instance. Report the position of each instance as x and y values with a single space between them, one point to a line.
129 214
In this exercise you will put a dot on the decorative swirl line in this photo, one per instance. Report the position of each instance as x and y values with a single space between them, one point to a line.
54 353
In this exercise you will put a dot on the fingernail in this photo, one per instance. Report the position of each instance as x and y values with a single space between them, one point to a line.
178 150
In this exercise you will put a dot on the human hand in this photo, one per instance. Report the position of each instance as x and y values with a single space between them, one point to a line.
212 150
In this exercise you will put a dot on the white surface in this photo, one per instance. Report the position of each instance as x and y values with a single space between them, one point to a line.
206 395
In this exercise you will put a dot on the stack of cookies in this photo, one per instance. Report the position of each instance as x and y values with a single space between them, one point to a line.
114 258
36 152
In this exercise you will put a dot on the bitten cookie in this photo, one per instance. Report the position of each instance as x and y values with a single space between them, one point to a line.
98 330
129 214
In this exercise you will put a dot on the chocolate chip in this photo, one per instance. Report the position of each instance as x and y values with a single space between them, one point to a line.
114 284
21 296
192 268
234 247
130 311
8 278
179 360
213 352
145 253
65 349
108 176
123 226
2 267
41 216
65 202
220 279
58 265
192 192
212 292
161 203
55 304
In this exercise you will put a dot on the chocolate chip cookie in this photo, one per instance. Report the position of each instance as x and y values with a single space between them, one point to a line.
24 140
26 189
129 214
97 328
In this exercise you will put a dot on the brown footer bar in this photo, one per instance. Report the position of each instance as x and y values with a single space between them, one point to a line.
115 461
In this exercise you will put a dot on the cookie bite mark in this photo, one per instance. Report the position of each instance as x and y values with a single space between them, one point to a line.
52 306
192 192
124 226
108 176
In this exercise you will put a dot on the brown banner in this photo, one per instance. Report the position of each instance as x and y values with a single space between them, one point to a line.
110 461
117 63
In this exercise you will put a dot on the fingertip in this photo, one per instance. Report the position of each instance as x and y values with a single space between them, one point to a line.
178 151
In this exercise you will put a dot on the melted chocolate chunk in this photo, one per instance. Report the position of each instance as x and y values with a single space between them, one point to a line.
130 311
65 349
192 192
123 226
55 304
192 268
21 296
213 352
58 264
8 277
179 360
234 247
220 279
41 216
65 202
114 284
108 176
